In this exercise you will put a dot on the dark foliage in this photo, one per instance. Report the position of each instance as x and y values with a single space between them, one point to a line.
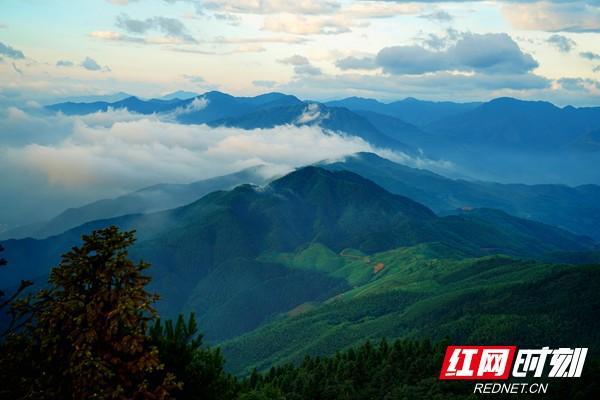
403 369
200 369
85 334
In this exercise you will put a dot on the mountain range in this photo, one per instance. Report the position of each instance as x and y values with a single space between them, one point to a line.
576 209
501 122
411 110
363 247
573 208
223 256
263 111
504 139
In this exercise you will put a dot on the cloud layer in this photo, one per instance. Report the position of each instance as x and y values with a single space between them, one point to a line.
63 161
555 16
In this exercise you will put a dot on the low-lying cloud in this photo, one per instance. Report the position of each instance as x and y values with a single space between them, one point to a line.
147 150
51 162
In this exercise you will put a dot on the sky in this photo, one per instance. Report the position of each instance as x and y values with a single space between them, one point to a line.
317 50
320 50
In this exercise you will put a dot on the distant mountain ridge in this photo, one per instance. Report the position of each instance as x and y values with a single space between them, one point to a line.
505 139
573 208
263 111
576 209
333 118
411 110
516 123
179 94
499 123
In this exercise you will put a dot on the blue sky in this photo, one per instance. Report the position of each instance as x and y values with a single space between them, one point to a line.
466 50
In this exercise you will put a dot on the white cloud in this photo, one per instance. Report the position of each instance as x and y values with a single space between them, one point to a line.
92 65
310 17
311 114
70 160
562 43
571 16
296 59
64 63
380 9
11 52
49 162
302 25
273 6
136 150
116 36
440 16
120 2
259 40
302 65
590 55
199 103
491 53
358 10
172 28
353 62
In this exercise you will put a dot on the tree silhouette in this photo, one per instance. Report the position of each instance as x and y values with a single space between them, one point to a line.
6 302
200 369
87 338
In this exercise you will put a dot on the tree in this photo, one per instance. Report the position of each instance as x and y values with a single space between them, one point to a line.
8 316
24 285
200 369
87 338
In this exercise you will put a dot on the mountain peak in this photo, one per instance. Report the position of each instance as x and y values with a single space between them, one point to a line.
305 179
215 94
130 99
179 94
321 186
513 102
367 156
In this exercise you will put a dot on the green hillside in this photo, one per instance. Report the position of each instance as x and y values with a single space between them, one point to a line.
231 256
430 291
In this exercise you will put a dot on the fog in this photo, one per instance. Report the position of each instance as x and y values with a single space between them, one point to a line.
50 162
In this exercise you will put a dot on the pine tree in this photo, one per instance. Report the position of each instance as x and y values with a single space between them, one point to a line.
199 369
87 338
5 302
